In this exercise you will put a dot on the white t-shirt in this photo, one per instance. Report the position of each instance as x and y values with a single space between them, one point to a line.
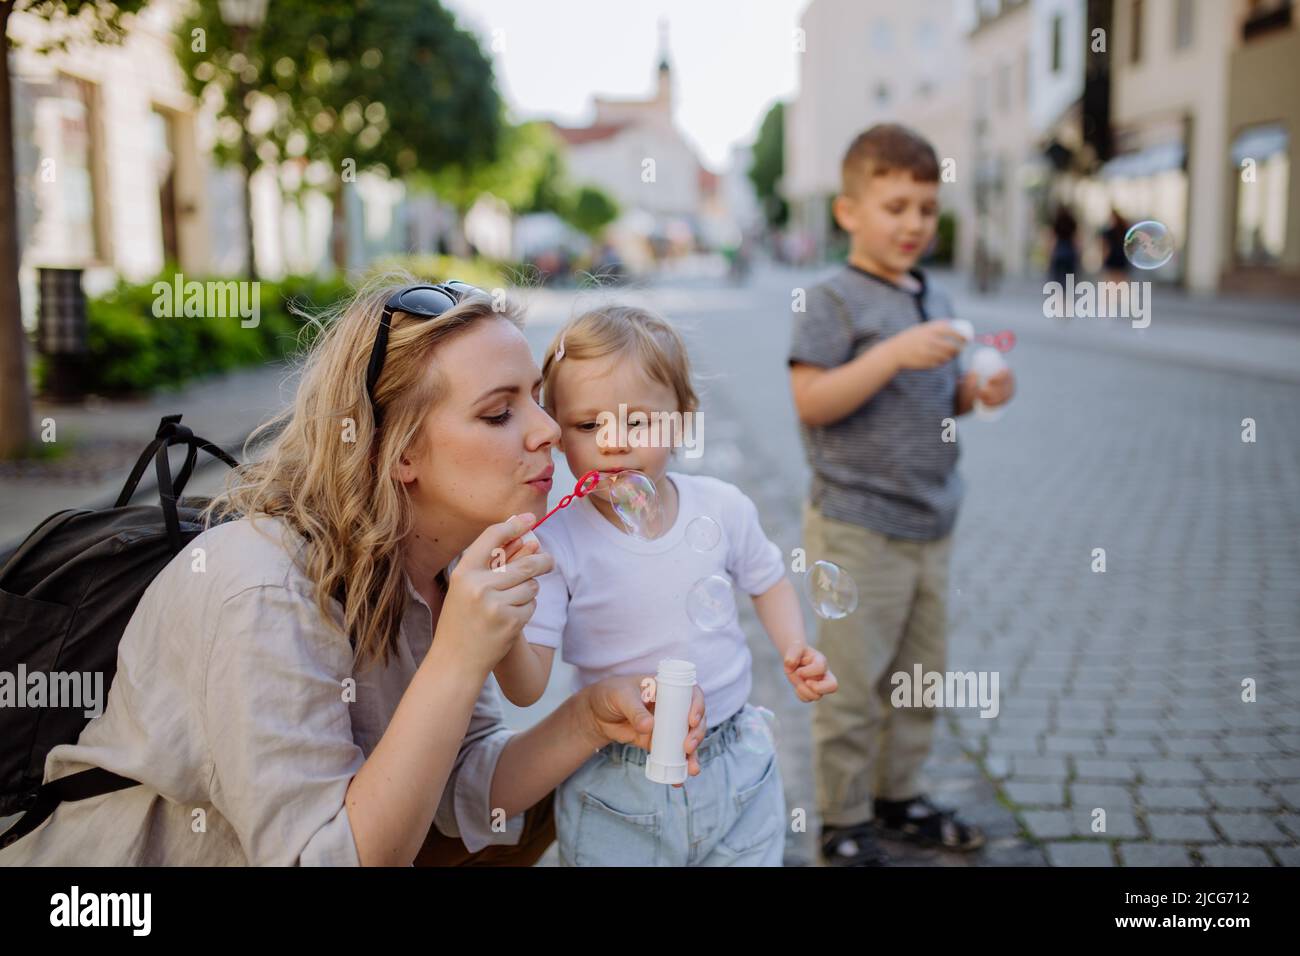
616 605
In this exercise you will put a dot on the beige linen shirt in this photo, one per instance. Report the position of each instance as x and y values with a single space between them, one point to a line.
232 705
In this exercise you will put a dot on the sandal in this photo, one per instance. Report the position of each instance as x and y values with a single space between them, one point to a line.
920 822
852 846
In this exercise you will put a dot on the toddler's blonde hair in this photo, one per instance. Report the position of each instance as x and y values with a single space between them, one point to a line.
657 346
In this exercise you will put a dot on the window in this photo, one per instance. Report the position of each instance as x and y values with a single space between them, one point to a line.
1261 219
927 35
65 133
1057 27
882 36
1264 16
882 94
1182 24
1135 32
1004 86
161 132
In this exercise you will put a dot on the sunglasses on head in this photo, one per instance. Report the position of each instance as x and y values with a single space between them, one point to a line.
421 301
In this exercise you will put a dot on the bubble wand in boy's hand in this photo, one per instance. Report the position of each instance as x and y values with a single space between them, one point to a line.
986 361
1003 341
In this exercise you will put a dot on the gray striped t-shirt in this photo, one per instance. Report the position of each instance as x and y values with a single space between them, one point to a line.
885 465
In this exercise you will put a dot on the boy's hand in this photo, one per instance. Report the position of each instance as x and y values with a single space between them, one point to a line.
926 345
805 668
998 389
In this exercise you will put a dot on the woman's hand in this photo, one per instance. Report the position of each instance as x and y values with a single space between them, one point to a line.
615 712
489 602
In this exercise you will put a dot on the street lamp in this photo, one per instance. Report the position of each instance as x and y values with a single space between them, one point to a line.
244 17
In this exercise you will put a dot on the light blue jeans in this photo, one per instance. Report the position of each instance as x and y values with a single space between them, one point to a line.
732 814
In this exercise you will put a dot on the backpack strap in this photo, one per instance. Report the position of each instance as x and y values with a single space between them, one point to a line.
78 786
167 498
198 444
167 428
171 432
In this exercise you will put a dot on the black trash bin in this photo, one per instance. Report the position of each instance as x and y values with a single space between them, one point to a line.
62 332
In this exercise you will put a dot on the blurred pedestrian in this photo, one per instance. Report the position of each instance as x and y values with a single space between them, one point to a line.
1114 265
1065 251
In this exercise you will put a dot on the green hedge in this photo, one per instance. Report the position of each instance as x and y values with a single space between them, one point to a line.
132 351
484 273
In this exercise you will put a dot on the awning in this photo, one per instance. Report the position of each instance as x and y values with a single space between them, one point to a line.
1259 143
1145 162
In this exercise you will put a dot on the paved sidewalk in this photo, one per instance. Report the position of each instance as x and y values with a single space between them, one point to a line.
108 437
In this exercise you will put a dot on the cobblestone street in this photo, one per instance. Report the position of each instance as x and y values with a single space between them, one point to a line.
1120 691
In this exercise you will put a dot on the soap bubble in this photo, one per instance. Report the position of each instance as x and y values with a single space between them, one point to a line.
703 534
831 590
1148 245
757 730
635 501
710 603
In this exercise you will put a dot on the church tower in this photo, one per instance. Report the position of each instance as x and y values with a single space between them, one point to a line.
664 89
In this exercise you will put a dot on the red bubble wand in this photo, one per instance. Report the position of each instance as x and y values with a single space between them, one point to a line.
585 486
1003 341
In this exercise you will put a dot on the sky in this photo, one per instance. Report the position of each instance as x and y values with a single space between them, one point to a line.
731 59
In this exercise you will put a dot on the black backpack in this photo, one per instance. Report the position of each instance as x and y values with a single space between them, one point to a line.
66 595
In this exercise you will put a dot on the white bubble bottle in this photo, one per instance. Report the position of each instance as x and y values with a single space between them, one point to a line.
985 363
667 760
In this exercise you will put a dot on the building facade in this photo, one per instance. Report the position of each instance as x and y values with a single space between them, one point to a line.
863 62
115 173
634 151
1204 105
1260 249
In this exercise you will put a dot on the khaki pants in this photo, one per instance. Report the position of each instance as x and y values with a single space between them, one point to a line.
865 747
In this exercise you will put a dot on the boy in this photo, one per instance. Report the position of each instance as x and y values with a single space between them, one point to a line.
873 373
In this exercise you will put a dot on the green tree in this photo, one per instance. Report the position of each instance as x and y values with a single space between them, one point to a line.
769 165
392 87
527 167
103 22
591 210
527 175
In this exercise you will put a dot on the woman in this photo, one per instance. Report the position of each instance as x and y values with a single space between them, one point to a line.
306 682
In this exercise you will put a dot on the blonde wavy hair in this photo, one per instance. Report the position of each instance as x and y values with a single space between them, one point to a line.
342 495
612 328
